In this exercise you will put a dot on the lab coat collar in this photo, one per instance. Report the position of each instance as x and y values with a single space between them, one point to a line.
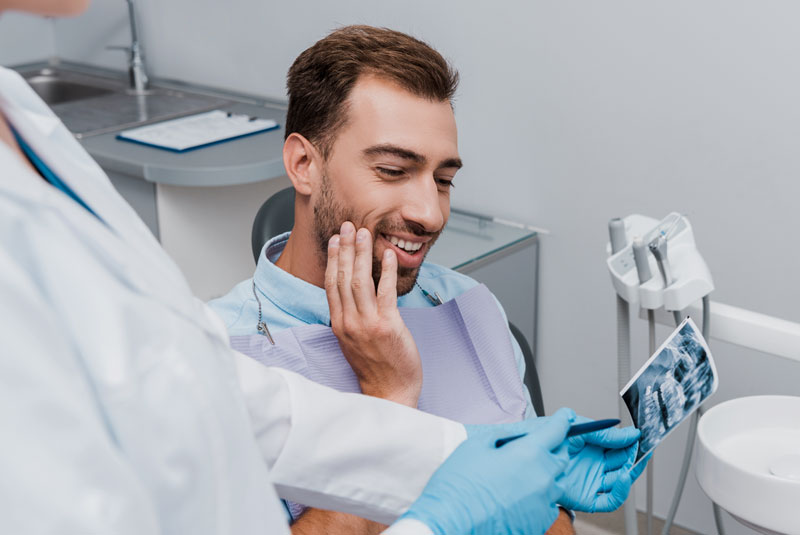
59 150
27 101
294 296
123 229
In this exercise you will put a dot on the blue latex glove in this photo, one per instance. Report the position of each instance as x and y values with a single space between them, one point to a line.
598 477
483 489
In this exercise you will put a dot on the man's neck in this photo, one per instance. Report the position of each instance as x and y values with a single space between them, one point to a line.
301 258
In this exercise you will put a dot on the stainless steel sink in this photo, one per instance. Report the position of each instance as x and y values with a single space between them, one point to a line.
54 90
92 104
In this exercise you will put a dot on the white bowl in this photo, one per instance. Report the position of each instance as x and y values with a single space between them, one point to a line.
748 461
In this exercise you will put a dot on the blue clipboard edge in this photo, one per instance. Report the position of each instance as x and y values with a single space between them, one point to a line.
203 146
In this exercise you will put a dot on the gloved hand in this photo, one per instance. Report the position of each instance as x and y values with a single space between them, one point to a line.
484 489
598 477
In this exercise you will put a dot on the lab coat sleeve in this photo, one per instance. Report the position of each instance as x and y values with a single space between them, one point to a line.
61 471
344 452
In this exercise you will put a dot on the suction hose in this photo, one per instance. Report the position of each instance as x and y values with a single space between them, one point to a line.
651 327
687 456
623 375
618 239
640 257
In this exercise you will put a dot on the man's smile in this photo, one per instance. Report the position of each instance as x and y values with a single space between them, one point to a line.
410 250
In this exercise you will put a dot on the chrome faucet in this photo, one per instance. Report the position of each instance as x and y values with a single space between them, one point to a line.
136 64
136 69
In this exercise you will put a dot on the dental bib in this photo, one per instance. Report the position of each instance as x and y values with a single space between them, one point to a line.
468 366
469 370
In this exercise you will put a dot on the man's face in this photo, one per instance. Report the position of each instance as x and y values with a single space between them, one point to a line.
390 170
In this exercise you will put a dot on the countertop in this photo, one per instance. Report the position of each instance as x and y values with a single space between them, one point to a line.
240 161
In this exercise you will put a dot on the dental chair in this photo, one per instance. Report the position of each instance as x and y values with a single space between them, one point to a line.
276 216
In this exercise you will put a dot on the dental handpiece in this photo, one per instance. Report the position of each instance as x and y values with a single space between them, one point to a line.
659 249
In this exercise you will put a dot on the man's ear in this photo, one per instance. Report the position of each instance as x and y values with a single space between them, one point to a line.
303 163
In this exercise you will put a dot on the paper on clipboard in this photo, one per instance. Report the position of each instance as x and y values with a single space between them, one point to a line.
672 384
196 131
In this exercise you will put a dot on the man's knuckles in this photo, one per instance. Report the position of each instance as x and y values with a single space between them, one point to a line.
359 283
331 283
352 326
374 328
384 293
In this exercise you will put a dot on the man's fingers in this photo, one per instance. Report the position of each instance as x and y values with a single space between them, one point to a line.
363 287
387 286
331 286
344 275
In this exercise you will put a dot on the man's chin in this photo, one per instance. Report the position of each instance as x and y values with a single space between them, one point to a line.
406 277
404 286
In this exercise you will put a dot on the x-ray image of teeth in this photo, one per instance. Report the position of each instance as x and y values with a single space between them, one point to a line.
672 384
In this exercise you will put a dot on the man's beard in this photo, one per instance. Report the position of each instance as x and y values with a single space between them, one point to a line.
329 214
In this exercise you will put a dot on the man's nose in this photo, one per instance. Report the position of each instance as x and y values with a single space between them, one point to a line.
421 204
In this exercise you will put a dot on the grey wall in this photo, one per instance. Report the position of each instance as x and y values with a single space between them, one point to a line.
24 38
569 113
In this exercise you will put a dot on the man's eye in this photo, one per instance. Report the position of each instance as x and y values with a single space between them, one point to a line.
393 173
445 183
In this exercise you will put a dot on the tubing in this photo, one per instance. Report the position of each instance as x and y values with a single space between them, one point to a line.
618 240
687 456
623 376
718 518
651 325
706 330
687 459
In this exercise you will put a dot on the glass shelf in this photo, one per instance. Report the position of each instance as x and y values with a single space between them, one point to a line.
468 238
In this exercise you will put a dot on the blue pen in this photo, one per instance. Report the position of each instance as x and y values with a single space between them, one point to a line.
574 430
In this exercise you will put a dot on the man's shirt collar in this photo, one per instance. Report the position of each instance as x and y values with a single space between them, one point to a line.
294 296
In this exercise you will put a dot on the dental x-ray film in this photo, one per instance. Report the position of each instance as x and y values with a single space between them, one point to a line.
671 385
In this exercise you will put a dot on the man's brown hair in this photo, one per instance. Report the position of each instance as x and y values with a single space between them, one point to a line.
321 78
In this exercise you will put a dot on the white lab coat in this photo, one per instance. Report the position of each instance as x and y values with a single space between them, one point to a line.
120 406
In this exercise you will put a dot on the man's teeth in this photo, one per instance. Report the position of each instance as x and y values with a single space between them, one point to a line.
405 245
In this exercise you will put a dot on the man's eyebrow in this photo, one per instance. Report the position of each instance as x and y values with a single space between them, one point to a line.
407 154
394 150
451 162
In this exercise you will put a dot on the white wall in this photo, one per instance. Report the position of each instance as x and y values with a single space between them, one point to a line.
25 38
213 253
570 113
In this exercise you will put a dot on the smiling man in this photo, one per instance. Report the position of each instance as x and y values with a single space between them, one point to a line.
393 176
372 152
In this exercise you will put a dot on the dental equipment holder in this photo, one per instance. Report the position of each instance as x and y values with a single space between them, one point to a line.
688 274
638 247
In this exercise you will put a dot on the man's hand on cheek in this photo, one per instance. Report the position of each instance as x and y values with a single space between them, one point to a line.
371 333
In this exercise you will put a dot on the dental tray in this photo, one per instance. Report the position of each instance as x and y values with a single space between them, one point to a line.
197 131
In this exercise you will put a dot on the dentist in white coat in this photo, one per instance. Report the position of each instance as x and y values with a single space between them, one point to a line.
122 409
